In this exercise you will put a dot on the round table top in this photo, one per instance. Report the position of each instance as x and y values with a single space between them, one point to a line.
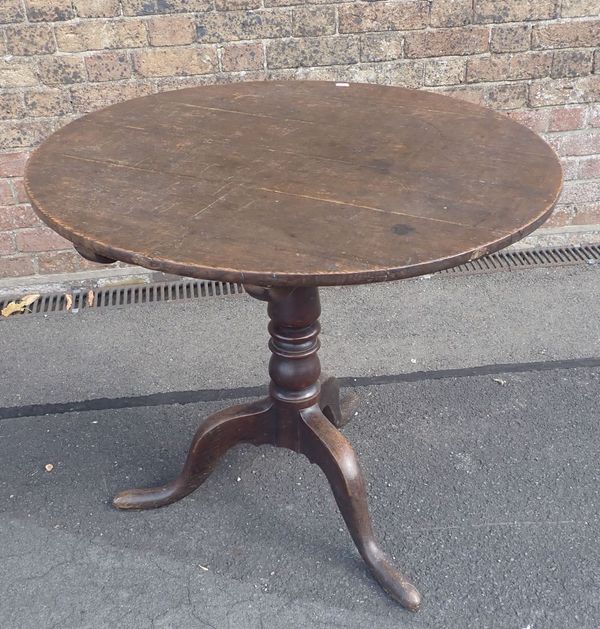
294 183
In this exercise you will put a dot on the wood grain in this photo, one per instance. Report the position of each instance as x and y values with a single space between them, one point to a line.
294 183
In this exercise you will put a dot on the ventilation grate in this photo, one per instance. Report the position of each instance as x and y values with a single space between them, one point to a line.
161 291
529 258
129 295
180 290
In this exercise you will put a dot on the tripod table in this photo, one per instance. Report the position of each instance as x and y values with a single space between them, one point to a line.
285 187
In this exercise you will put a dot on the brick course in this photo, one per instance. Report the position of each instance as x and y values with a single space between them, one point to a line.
29 39
239 57
97 8
360 17
515 10
171 30
536 60
11 11
510 38
465 40
108 66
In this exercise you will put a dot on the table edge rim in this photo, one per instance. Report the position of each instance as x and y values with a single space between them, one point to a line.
261 278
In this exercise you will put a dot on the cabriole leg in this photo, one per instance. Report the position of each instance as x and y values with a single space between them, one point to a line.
332 452
246 423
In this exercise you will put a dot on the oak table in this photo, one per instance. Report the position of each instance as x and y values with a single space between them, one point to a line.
285 187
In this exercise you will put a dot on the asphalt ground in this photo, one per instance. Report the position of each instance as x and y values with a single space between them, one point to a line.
477 432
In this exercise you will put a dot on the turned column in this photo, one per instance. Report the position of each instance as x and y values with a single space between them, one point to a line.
294 327
294 366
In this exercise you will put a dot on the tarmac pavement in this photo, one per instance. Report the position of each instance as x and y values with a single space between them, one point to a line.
477 431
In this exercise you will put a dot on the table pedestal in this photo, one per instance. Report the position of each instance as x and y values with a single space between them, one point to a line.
302 413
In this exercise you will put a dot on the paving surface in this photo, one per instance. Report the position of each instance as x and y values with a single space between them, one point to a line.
478 433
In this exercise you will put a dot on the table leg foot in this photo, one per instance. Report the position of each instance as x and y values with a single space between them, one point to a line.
338 410
246 423
331 451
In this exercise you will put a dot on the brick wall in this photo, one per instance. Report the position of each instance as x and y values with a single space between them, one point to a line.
539 60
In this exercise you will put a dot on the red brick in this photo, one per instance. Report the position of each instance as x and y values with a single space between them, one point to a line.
560 217
19 190
584 89
580 192
464 40
579 8
381 46
64 262
13 164
16 266
150 7
164 83
286 3
313 21
589 168
61 70
360 17
585 142
40 239
48 102
16 73
171 30
514 10
505 95
526 65
594 116
575 34
571 63
313 51
7 244
175 61
96 8
575 214
242 57
17 216
447 13
587 214
49 10
6 193
495 95
465 92
86 98
445 71
535 119
108 66
11 106
232 25
29 39
101 34
510 38
566 118
236 5
11 11
24 133
404 73
570 169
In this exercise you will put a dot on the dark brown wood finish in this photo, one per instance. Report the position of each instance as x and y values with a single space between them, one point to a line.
300 413
293 183
284 187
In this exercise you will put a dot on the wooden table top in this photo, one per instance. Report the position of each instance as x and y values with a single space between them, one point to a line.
294 183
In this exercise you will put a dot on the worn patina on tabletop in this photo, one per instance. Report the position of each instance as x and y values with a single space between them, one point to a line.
284 187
